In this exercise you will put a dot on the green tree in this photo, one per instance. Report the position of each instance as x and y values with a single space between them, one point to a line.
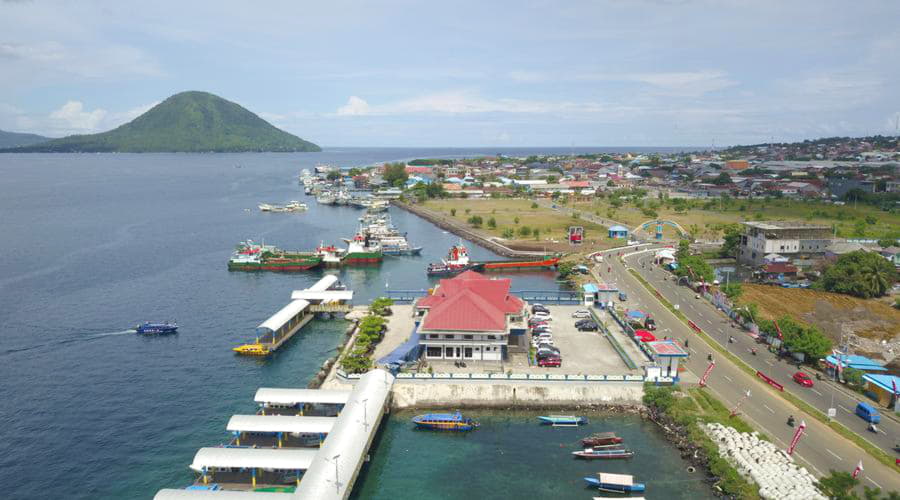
887 242
853 376
395 174
381 306
838 485
516 220
333 175
492 223
732 236
732 290
799 337
537 236
524 231
453 212
565 269
722 179
861 274
475 221
508 233
534 205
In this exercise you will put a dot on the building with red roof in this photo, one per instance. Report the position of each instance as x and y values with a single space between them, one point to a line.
470 317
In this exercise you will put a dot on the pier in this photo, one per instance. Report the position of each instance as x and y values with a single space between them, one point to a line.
326 296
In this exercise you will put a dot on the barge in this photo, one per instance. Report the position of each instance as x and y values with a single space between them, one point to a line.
458 261
250 256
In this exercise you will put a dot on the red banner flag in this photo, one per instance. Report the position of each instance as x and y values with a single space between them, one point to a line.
857 470
705 376
780 336
796 438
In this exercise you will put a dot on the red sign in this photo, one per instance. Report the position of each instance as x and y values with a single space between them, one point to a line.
694 326
706 374
769 380
796 438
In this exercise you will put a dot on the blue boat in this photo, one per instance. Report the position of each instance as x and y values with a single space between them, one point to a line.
444 422
148 328
557 420
617 483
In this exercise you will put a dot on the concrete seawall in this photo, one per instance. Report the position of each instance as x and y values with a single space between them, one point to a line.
459 230
408 394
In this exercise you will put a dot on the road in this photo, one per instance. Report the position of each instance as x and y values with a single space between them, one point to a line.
821 449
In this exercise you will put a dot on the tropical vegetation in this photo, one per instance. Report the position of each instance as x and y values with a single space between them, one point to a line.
861 274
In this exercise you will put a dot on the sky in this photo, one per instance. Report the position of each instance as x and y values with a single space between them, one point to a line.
465 73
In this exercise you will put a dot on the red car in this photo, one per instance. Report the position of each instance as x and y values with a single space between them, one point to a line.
803 379
554 361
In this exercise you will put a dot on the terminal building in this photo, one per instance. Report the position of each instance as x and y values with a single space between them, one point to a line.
798 242
471 317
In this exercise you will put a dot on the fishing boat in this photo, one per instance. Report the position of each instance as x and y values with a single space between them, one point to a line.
148 328
559 420
444 422
362 249
615 483
397 245
291 206
255 349
601 439
250 256
591 453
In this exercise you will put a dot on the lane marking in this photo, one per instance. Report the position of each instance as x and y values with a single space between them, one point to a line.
815 391
876 484
766 407
769 362
881 431
835 455
692 350
846 410
727 378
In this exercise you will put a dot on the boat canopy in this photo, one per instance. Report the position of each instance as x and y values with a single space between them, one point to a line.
260 458
172 494
281 423
619 479
289 397
284 315
325 296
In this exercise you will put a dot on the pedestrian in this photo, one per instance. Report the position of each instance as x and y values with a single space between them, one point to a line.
685 343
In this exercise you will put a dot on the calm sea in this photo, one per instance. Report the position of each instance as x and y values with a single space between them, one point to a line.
95 243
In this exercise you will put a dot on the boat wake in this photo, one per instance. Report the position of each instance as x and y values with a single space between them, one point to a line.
84 338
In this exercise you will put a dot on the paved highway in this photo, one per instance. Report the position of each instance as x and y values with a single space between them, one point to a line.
821 449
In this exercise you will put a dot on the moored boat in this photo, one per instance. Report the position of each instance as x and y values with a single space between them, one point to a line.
362 250
616 483
444 422
252 350
458 261
148 328
250 256
601 439
591 453
563 420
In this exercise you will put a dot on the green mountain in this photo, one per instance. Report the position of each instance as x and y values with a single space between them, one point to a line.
15 139
189 122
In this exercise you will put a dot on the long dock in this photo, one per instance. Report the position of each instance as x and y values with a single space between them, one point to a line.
325 296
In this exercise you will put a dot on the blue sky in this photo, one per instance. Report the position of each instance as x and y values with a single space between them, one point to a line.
419 73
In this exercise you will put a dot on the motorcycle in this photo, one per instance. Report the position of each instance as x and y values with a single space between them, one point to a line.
790 421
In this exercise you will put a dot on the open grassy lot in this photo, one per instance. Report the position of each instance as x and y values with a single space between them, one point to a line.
703 217
831 312
513 214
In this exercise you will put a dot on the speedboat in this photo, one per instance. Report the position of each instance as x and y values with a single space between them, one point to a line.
148 328
444 422
563 420
617 483
252 350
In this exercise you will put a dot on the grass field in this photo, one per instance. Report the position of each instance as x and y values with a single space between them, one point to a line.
553 226
849 221
831 312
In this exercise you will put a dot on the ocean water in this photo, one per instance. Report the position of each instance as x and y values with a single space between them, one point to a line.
512 456
96 243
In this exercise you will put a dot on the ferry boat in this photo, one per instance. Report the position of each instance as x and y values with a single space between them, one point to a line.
458 261
591 453
148 328
291 206
563 420
615 483
250 256
444 422
254 349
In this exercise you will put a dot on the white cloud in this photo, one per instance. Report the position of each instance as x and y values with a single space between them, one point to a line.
73 116
355 106
681 83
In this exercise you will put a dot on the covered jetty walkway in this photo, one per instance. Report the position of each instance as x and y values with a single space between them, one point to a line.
302 402
288 431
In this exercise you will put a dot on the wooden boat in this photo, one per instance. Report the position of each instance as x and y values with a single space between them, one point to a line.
557 420
591 453
444 422
616 483
600 439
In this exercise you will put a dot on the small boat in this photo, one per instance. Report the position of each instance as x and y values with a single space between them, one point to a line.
557 420
252 350
601 439
148 328
603 453
617 483
444 422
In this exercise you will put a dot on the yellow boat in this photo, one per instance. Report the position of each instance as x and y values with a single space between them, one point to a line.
252 350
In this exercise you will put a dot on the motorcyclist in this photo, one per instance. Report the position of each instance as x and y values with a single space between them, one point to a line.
731 340
790 420
709 357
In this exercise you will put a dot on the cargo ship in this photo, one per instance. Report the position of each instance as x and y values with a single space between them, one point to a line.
457 261
362 249
250 256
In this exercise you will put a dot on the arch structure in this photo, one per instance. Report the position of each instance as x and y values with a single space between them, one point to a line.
659 223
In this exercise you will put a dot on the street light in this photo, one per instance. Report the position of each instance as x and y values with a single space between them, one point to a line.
365 414
337 483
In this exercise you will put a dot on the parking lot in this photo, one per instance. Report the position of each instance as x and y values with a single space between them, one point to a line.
586 353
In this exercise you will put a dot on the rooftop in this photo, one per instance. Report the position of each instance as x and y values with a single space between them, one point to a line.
777 224
470 302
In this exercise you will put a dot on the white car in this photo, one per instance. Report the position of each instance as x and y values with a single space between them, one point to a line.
538 342
542 316
581 313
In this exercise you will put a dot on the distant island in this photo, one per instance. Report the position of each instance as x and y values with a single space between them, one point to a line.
187 122
15 139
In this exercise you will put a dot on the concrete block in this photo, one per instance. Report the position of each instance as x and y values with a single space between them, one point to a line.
610 378
499 376
441 375
596 377
423 375
634 378
555 376
518 376
480 376
537 376
460 375
580 378
404 375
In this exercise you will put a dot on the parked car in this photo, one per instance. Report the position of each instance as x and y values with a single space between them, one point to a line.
538 307
535 321
803 379
623 296
581 313
540 330
542 316
539 342
583 322
544 350
550 361
588 327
